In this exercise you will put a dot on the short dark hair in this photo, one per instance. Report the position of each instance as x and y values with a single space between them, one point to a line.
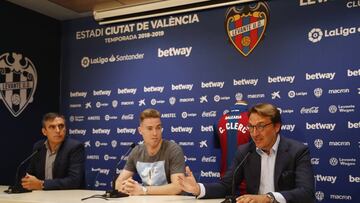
149 113
51 116
267 110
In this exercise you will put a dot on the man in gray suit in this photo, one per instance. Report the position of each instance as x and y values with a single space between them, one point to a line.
277 169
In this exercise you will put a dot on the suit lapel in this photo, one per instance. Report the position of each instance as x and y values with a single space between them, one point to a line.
281 160
254 168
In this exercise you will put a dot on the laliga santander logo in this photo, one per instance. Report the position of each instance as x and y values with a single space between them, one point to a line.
18 82
315 35
246 26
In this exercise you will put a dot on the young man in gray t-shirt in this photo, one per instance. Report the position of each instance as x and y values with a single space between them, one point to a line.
158 162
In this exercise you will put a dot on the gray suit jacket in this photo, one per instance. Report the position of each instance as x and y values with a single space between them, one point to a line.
294 177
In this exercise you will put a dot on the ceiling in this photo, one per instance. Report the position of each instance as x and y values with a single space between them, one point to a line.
71 9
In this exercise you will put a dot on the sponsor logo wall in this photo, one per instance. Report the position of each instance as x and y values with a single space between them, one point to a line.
300 55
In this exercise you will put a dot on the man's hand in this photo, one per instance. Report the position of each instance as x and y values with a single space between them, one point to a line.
30 182
131 187
188 183
253 199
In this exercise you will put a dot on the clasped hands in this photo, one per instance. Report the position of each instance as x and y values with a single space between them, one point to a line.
30 182
131 187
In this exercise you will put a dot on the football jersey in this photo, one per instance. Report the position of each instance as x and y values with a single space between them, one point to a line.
231 131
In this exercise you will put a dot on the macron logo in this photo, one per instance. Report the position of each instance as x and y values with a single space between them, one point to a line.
320 126
172 51
320 76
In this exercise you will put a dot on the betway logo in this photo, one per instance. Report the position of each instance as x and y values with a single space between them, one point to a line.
100 170
78 94
212 84
182 87
353 125
181 129
101 131
288 127
242 82
354 179
321 178
320 126
101 92
154 89
127 91
210 159
320 76
277 79
172 51
207 128
125 130
77 131
210 174
351 73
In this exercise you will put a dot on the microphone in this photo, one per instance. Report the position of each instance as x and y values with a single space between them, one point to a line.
113 193
232 198
17 187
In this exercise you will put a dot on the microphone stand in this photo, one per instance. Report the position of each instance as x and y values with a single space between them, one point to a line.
232 198
113 193
17 188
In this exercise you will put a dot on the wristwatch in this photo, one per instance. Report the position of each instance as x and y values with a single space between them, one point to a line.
271 197
144 189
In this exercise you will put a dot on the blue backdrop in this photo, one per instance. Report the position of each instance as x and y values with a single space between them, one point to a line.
192 66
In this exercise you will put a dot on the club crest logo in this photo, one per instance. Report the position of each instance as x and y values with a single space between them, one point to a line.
18 80
246 26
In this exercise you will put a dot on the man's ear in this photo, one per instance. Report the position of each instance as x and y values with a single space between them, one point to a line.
139 129
43 130
277 127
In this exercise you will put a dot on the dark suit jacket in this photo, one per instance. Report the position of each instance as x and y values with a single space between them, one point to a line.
294 177
68 172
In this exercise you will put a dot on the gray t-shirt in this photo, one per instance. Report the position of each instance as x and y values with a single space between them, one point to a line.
157 169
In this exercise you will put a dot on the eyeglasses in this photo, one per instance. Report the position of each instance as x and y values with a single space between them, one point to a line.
259 127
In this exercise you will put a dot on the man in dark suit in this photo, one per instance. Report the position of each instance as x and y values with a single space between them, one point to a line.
59 164
276 169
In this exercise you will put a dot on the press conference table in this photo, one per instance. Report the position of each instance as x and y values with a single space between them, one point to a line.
75 196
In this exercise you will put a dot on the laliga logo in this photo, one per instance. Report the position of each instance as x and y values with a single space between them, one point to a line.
18 82
315 35
246 26
85 62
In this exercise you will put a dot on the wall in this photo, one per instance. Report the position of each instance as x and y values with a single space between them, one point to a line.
37 38
304 59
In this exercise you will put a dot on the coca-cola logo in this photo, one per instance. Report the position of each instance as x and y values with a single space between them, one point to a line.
310 110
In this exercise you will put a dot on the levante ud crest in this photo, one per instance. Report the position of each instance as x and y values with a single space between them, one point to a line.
246 26
18 79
